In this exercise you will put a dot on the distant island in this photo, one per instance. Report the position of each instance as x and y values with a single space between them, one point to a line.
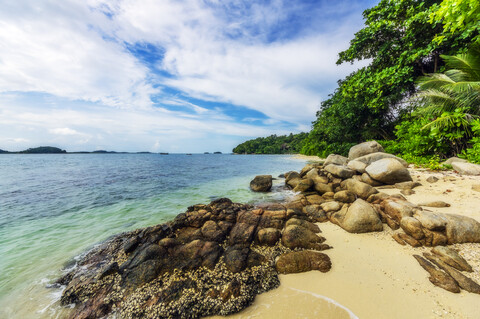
273 144
56 150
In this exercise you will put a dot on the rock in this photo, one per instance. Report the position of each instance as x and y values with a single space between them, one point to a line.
412 227
315 199
371 158
321 187
302 261
307 168
361 217
407 185
131 244
431 221
311 174
241 233
335 159
397 208
316 213
328 195
388 171
407 191
438 277
212 232
331 206
476 187
303 223
463 281
461 229
344 197
261 183
364 149
378 197
432 179
357 166
434 238
466 168
291 175
268 236
452 258
398 239
365 178
295 236
236 258
360 189
339 171
453 160
304 185
409 240
437 204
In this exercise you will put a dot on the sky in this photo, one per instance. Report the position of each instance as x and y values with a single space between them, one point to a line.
167 75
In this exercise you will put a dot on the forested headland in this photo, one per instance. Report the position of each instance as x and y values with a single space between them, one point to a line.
273 144
420 94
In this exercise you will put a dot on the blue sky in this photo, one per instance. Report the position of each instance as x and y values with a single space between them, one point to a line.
167 75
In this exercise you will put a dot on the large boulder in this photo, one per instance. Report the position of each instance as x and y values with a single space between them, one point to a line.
339 171
430 220
388 171
268 236
370 158
361 217
454 159
304 185
335 159
295 236
462 229
301 261
466 168
261 183
364 149
412 227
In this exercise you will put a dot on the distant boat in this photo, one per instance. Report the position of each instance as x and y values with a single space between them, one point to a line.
163 153
217 152
206 153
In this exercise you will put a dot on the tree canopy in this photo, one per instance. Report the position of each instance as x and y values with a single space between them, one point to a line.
402 42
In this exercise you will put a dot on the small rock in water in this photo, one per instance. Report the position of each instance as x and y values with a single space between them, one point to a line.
261 183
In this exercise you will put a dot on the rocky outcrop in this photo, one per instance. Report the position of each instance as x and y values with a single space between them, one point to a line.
261 183
212 259
335 159
370 158
364 149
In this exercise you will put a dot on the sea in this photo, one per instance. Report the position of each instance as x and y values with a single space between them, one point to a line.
54 207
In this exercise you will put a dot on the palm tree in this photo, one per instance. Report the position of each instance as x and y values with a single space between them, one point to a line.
452 99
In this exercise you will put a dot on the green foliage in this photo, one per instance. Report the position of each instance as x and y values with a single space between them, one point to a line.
402 42
273 144
458 15
472 154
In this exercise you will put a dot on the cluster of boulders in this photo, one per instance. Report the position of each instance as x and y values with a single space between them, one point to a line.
345 191
212 259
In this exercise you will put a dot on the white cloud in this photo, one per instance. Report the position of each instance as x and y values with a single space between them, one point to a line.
76 51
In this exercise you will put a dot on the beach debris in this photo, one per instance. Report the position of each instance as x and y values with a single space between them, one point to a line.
261 183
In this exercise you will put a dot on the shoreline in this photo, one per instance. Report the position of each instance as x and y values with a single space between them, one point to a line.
375 277
344 292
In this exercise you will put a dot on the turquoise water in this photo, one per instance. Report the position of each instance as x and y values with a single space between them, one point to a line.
54 207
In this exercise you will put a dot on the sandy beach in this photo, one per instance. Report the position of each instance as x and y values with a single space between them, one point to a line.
373 276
